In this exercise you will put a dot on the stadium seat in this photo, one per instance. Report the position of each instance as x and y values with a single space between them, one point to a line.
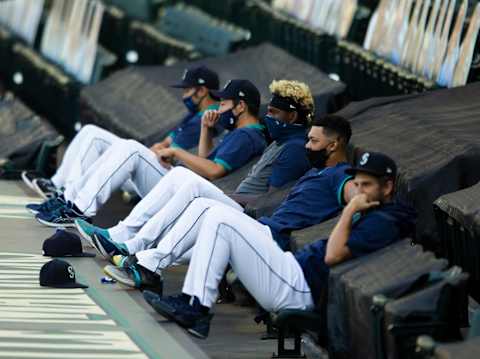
6 42
144 10
211 36
114 31
47 87
428 348
154 47
369 75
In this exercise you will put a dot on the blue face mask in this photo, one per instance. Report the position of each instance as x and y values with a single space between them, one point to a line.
228 120
190 105
279 130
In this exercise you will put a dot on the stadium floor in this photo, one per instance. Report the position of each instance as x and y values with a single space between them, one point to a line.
105 320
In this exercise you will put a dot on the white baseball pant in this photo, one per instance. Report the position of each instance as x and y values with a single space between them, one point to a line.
124 160
273 277
86 147
157 212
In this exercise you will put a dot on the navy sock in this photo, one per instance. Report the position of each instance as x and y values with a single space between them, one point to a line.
197 306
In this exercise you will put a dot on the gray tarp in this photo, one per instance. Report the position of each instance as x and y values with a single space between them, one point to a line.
464 207
352 285
20 129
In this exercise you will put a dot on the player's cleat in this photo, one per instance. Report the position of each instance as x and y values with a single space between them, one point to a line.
28 177
44 187
62 217
134 276
87 230
47 206
177 308
108 248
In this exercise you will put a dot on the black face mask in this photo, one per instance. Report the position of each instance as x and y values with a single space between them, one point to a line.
317 159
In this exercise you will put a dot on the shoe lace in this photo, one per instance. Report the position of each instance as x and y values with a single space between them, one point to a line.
50 204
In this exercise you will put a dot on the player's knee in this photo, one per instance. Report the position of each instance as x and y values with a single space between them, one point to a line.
180 172
217 214
89 129
130 146
199 203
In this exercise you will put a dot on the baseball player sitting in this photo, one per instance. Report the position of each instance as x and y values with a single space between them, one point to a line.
279 280
282 162
318 196
129 160
91 141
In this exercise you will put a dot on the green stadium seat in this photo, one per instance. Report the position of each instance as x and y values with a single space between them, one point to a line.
210 35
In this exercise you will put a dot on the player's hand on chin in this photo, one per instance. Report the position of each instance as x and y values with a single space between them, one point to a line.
210 118
360 203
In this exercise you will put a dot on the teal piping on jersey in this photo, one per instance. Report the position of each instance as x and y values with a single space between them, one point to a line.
211 107
255 125
340 190
175 145
222 163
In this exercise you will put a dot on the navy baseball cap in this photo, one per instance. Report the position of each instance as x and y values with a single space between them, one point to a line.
64 244
239 90
376 164
199 76
59 274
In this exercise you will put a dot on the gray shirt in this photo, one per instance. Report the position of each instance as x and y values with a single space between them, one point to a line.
256 181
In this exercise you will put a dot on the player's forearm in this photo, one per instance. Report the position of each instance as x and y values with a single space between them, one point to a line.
337 249
205 144
199 165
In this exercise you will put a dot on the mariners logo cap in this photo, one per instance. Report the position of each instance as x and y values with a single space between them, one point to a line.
59 274
239 90
64 244
376 164
199 76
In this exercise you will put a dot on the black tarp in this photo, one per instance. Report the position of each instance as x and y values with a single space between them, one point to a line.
21 131
434 137
437 309
351 288
138 103
464 207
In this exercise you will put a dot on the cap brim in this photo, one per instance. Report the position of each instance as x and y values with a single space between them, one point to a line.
354 170
182 85
219 94
75 255
68 285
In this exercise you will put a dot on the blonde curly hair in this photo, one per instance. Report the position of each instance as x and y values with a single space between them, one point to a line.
298 91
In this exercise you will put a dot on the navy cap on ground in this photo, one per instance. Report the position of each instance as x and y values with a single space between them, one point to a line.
199 76
376 164
64 244
59 274
239 90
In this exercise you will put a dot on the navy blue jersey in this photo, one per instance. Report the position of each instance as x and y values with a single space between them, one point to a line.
315 198
372 231
238 147
291 163
187 134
